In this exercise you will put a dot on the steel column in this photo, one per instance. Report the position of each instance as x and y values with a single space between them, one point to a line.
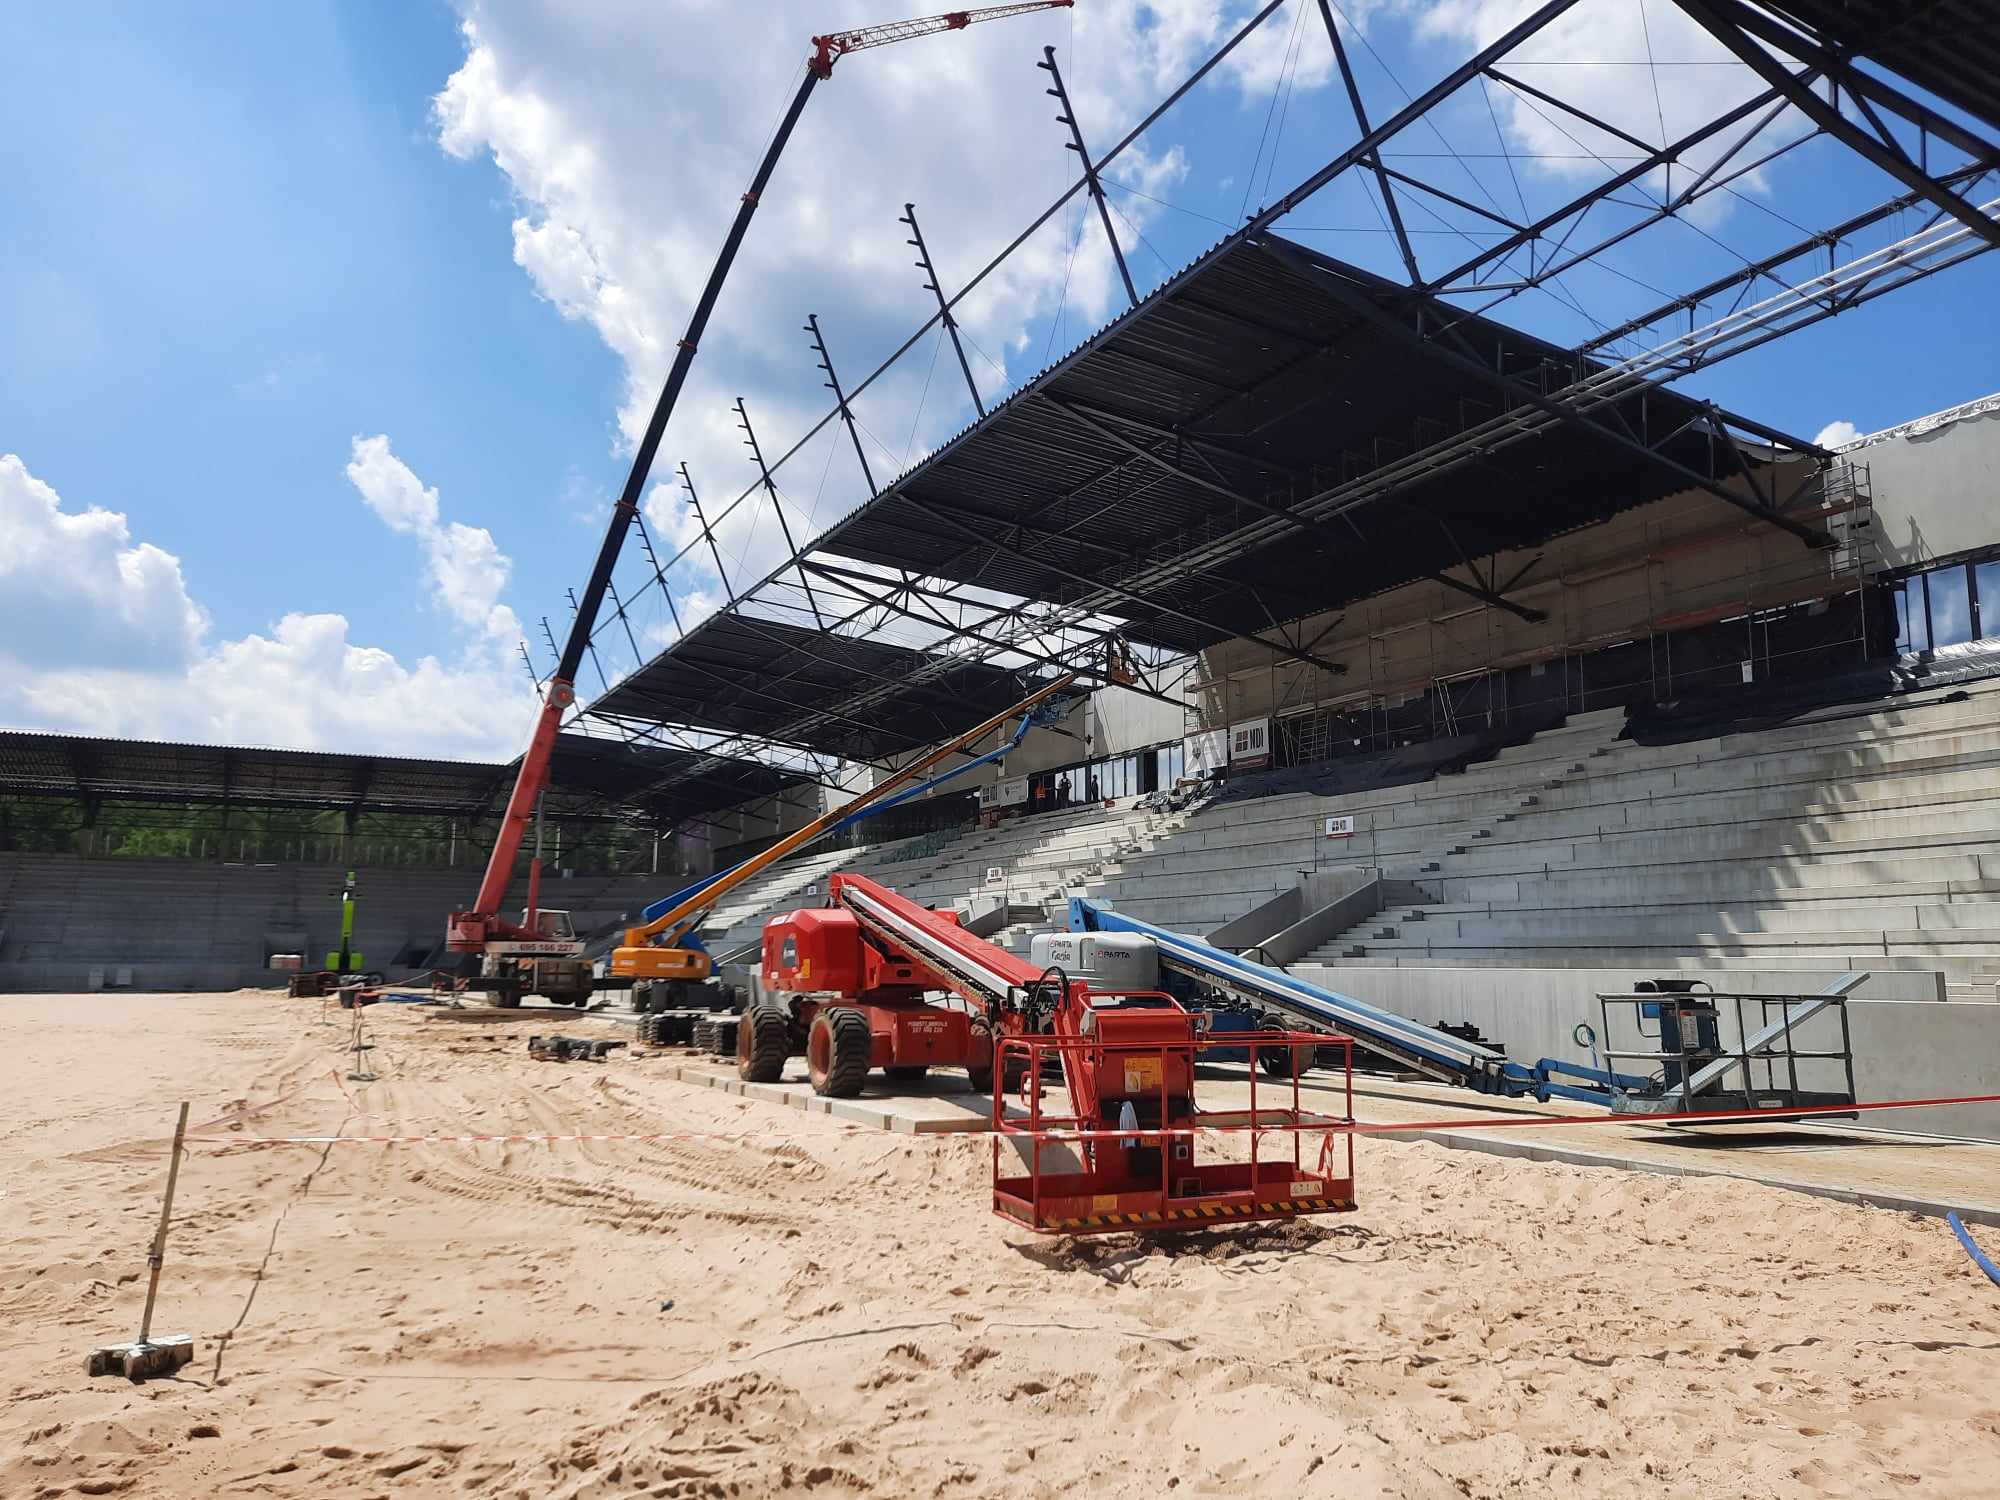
936 288
1068 117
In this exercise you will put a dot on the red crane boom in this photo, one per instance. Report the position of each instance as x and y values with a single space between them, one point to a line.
473 931
832 48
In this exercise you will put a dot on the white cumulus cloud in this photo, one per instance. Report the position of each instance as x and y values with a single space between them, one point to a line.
98 635
627 132
466 566
1837 435
77 584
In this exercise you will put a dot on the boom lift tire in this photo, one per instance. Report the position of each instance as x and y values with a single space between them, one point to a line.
839 1051
1273 1060
981 1078
507 999
763 1041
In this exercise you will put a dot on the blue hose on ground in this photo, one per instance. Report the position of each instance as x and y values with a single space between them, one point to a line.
1978 1256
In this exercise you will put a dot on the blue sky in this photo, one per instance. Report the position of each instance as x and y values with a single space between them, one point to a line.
246 250
245 237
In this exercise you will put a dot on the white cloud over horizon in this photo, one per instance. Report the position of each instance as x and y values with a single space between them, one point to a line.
628 132
1837 435
99 635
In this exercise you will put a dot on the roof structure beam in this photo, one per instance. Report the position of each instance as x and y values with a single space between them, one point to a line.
1656 157
1147 601
1076 143
659 576
1764 266
839 399
1489 595
707 533
1731 24
1321 529
590 642
853 580
1374 158
1462 358
1839 66
777 505
936 288
1409 114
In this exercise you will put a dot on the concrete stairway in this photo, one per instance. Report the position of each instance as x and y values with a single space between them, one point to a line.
1041 858
1868 838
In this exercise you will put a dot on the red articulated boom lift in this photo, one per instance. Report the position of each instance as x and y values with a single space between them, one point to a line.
514 954
847 985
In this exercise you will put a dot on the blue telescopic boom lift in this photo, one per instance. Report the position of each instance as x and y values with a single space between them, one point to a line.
1207 969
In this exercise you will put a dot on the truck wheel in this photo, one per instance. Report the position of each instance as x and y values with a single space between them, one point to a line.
839 1050
507 999
1277 1061
763 1042
980 1044
905 1072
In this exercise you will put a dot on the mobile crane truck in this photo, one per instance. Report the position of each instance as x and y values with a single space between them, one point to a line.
540 954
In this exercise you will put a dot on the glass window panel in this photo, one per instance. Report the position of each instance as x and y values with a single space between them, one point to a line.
1986 583
1912 627
1951 607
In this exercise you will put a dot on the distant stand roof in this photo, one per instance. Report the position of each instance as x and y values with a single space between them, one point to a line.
666 785
749 675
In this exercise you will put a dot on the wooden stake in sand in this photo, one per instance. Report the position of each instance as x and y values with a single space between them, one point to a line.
360 1047
147 1356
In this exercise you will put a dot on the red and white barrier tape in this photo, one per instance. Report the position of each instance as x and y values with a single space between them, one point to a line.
1330 1127
526 1138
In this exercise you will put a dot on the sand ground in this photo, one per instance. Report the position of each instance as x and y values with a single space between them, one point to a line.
780 1302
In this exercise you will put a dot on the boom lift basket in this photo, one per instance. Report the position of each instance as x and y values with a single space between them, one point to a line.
1145 1172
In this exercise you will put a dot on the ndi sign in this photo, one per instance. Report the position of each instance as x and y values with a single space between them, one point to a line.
1005 795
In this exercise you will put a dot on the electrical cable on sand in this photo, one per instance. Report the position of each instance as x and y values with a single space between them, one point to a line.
1979 1257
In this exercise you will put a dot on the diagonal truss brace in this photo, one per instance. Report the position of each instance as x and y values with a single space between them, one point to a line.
936 288
1068 117
1729 23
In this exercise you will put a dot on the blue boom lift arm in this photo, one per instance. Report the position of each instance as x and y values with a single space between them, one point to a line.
1424 1049
682 935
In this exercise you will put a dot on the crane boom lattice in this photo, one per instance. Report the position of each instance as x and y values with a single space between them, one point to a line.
827 50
